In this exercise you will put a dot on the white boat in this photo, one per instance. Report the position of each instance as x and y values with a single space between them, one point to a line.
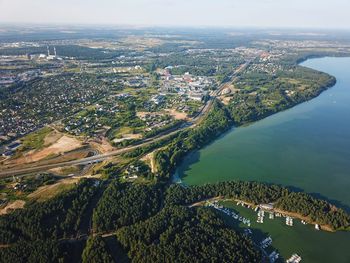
289 221
260 220
295 258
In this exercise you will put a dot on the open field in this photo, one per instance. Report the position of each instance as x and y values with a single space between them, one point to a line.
149 160
35 140
62 145
48 191
177 115
18 204
66 170
52 137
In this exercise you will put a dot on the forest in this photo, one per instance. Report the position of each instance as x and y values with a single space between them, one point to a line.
96 251
124 204
149 223
153 221
60 217
317 210
181 234
262 94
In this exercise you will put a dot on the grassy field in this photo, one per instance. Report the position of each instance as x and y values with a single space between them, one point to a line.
47 192
35 140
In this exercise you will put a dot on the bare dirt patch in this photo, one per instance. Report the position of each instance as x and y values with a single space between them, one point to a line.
142 114
52 138
67 170
225 100
46 192
62 145
177 115
18 204
102 145
128 136
149 160
133 136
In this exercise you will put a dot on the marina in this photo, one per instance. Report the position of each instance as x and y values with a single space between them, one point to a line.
261 211
309 152
228 212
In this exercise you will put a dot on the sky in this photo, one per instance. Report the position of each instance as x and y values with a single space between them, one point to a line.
228 13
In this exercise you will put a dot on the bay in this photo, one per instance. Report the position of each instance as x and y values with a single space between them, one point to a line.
306 147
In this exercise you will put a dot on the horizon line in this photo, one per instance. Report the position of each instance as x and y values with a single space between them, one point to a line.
173 26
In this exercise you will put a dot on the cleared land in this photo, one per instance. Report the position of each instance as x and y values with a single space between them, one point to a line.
62 145
18 204
177 115
48 191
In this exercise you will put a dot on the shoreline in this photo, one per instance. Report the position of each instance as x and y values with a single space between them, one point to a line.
177 177
284 213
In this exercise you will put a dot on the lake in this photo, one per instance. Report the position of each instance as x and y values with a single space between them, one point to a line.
306 147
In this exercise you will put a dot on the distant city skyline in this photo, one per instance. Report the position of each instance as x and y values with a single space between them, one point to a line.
229 13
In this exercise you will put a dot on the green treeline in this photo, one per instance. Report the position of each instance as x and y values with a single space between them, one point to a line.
124 204
262 94
152 223
96 251
31 252
317 210
57 218
215 123
181 234
43 251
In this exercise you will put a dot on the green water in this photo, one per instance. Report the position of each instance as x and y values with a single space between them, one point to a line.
311 245
307 147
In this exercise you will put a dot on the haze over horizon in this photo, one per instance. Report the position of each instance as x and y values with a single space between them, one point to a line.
223 13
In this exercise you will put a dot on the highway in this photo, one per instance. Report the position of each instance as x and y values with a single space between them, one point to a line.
105 156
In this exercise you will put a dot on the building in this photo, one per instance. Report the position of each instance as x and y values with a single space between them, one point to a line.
54 56
196 96
158 99
266 206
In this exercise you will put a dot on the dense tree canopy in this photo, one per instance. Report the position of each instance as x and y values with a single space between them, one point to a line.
317 210
56 218
181 234
125 204
96 251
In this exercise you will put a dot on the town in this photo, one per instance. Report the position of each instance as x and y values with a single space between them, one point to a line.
95 127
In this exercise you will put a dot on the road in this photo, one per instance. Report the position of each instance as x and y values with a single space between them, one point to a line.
105 156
